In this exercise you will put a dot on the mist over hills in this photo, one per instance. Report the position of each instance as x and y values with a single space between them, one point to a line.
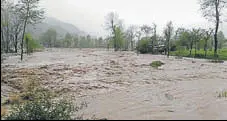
61 27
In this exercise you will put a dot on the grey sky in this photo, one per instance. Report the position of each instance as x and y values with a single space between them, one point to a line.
88 15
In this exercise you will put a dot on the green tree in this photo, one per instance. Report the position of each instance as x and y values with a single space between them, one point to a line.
68 40
112 23
76 41
207 37
29 13
212 10
119 37
221 39
31 44
50 37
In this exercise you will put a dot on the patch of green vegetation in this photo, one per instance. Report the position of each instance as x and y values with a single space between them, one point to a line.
222 94
31 44
42 109
39 104
156 64
222 54
143 46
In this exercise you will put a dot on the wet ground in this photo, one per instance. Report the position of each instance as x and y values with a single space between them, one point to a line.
122 85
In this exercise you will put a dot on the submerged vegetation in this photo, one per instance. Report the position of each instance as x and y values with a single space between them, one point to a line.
222 94
156 64
37 103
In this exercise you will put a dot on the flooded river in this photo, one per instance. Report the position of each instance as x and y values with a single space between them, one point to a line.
123 85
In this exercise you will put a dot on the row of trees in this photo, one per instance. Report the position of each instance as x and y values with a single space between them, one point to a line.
146 36
50 39
14 19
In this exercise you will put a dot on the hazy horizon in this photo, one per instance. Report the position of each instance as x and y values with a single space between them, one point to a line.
89 15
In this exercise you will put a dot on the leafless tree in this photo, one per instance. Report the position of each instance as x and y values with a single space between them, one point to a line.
168 32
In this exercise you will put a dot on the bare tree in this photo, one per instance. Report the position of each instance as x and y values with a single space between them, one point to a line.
154 38
111 23
132 34
138 35
168 31
6 10
197 34
30 13
212 10
207 35
146 29
17 28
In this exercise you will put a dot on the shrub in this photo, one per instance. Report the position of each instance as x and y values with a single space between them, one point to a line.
156 64
42 109
143 46
39 104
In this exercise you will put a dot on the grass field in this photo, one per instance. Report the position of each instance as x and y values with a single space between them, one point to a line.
222 54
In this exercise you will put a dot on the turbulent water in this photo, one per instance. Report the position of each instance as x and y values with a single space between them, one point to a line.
123 85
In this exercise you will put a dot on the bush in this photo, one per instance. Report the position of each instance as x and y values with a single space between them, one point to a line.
42 107
143 46
156 64
39 104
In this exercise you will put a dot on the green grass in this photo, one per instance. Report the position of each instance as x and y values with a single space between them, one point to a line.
156 64
222 54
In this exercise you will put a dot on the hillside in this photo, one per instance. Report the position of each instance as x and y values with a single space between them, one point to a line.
61 27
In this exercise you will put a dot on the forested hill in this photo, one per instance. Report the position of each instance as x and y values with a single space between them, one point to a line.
61 27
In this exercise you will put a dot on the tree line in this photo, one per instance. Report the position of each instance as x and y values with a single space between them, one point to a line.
50 39
15 38
145 38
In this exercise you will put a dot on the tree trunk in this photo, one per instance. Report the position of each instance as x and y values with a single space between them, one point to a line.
132 45
22 41
152 50
7 38
191 45
216 29
2 41
195 47
205 48
15 44
168 49
26 41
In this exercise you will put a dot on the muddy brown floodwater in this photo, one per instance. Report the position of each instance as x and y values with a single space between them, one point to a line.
122 85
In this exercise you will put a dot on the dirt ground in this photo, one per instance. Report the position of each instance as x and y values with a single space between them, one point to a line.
122 85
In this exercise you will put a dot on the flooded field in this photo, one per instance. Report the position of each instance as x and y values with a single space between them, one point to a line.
123 85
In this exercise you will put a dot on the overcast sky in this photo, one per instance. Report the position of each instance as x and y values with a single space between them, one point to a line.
89 15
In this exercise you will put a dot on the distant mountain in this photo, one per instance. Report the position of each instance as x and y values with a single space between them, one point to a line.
61 27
